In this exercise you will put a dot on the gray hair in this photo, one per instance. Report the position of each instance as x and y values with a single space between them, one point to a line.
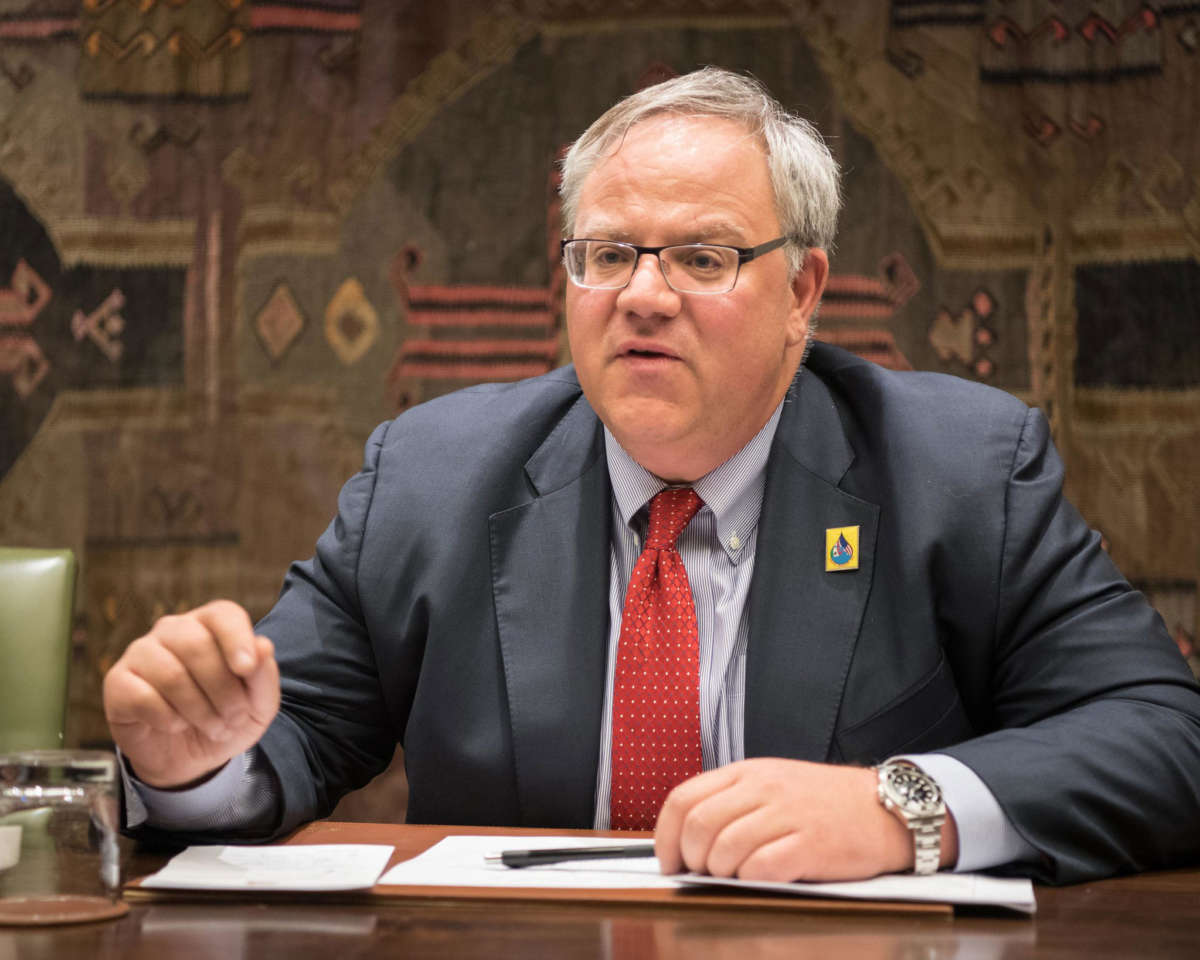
804 175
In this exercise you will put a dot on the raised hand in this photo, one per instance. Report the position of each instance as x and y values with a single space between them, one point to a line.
195 691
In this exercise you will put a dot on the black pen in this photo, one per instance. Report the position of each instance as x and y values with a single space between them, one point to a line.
533 858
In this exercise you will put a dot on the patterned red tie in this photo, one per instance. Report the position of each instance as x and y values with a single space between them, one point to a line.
656 684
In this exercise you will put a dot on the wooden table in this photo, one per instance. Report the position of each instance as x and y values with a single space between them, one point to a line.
1150 916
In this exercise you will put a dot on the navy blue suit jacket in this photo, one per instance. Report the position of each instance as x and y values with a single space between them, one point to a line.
458 604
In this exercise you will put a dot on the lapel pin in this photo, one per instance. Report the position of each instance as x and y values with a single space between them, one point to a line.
841 549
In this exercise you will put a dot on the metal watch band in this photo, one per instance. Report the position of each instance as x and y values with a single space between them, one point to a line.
925 820
927 844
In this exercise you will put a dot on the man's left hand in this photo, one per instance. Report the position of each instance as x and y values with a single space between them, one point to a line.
783 820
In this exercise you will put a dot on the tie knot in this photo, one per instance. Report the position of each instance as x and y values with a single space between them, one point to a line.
670 511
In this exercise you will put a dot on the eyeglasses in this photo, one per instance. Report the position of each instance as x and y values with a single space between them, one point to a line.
687 267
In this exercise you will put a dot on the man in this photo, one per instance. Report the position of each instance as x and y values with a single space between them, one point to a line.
870 564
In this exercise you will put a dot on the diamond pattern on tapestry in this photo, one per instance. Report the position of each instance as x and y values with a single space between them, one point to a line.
351 323
279 323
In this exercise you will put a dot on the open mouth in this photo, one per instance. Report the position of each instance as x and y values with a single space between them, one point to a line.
639 354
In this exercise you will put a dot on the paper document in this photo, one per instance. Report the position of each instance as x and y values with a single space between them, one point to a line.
458 862
329 866
961 889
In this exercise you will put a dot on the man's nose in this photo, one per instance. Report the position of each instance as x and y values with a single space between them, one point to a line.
648 291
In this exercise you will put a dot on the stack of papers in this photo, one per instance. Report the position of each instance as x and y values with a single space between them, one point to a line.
458 861
317 867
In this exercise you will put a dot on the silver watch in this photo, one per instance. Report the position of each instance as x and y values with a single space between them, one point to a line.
912 795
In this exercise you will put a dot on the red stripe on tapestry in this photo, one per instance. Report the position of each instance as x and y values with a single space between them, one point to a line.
420 296
540 320
878 346
293 18
851 283
470 371
37 29
852 308
476 348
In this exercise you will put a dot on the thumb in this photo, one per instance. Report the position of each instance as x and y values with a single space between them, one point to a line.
263 684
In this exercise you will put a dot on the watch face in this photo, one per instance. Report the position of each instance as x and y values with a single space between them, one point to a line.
914 791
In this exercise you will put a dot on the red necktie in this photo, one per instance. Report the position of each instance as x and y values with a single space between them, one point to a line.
656 683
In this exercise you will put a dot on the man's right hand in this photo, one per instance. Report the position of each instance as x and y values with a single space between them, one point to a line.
197 690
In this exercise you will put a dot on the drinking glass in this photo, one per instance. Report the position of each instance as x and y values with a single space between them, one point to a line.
59 857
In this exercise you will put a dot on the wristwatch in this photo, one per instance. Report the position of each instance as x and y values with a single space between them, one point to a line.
912 795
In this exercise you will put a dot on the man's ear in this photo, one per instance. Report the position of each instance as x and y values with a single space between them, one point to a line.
807 287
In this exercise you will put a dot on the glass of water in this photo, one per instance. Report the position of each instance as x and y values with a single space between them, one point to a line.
59 857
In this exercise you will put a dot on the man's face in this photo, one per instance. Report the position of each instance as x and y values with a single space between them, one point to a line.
684 381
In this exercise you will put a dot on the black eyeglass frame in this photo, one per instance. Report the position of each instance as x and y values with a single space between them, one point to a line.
744 255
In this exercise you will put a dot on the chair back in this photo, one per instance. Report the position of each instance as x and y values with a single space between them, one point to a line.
37 601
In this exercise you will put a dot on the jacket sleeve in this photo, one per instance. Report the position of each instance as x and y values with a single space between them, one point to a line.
332 733
1095 757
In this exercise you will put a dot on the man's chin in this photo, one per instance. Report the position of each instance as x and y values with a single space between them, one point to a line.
654 432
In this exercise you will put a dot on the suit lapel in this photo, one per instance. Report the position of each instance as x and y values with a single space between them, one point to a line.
804 622
550 583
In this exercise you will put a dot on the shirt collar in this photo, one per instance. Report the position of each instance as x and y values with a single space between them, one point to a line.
733 492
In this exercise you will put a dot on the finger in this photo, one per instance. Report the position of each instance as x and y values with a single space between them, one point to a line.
262 686
193 645
742 836
131 703
234 633
792 856
721 830
164 671
669 828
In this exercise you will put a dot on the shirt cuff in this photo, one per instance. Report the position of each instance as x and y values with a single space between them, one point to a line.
231 798
986 837
135 809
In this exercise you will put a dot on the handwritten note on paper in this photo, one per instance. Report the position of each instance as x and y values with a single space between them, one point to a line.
330 866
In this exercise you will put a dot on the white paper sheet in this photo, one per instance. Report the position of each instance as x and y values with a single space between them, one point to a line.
331 866
458 862
962 889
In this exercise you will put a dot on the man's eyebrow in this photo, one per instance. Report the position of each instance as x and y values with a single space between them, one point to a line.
716 231
602 232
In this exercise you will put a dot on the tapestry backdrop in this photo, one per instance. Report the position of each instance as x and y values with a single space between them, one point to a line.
234 236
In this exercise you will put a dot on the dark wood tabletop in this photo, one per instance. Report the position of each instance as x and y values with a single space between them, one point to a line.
1150 916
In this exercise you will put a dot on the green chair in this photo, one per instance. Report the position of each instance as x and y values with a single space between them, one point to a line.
37 601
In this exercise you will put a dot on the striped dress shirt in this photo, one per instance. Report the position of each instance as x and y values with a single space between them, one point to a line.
717 549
